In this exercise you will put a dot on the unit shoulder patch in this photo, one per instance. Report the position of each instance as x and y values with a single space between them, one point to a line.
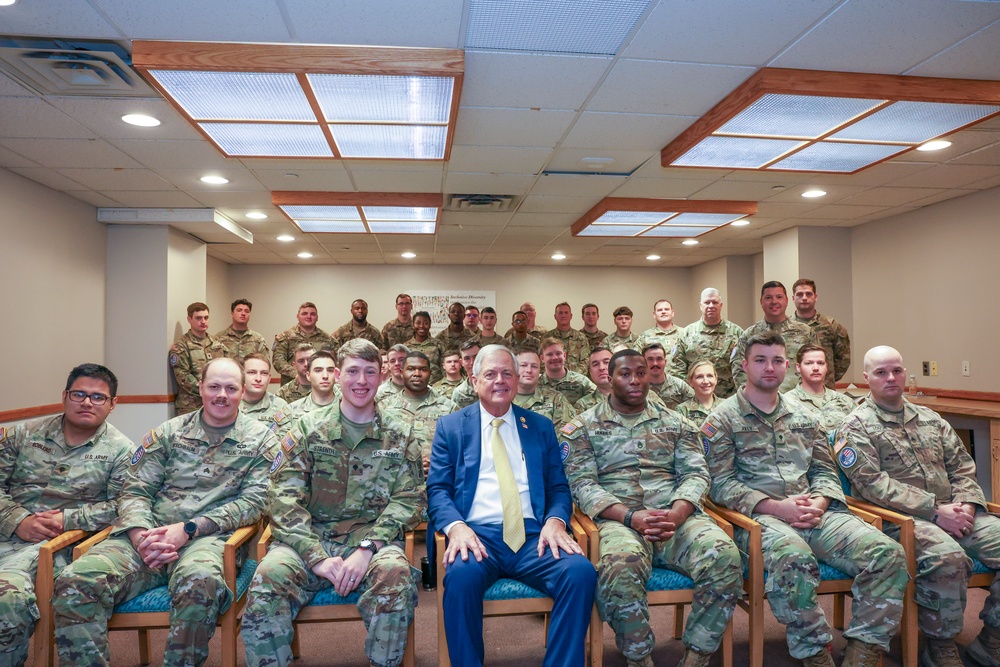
847 457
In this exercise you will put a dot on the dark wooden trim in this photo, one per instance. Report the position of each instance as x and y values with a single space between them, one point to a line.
962 394
55 408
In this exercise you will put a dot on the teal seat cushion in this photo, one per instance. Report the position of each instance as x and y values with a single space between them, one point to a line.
328 597
979 568
662 579
509 589
826 573
158 599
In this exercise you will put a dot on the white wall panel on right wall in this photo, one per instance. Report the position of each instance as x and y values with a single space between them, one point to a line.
926 283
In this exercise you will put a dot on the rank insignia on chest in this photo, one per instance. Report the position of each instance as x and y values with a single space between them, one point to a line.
847 457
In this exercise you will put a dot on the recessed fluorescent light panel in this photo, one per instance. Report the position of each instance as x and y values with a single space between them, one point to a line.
361 212
553 26
300 101
833 122
659 218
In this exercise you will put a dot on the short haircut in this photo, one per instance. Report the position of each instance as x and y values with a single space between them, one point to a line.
456 303
450 353
216 360
259 357
563 303
590 305
358 301
475 308
322 354
97 372
196 307
770 284
488 309
659 301
804 281
808 347
653 346
240 302
622 310
621 354
403 296
417 354
424 314
308 304
490 350
398 347
304 347
549 342
708 291
766 338
528 350
599 348
518 312
359 348
468 344
698 364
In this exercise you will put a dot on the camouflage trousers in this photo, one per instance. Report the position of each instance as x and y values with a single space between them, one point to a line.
844 541
699 549
283 585
943 571
112 572
18 608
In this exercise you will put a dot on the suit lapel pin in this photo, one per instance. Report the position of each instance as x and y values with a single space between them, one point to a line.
524 423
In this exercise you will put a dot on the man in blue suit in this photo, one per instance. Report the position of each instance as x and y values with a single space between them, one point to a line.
497 489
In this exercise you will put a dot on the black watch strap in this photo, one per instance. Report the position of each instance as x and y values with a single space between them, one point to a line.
190 527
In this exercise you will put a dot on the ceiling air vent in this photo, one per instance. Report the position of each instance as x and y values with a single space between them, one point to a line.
479 203
69 68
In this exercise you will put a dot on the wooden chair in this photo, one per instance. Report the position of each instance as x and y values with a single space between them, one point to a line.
151 610
665 587
506 597
832 580
44 647
329 607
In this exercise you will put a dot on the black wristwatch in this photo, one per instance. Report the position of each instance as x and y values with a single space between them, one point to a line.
368 545
190 527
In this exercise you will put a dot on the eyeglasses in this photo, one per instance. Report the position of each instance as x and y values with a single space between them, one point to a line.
95 399
518 321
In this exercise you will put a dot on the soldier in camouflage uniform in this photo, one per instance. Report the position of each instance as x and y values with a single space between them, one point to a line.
273 411
465 393
193 481
358 327
906 458
189 354
238 339
829 407
298 387
543 400
347 486
664 332
600 358
575 345
595 337
570 384
322 372
57 473
394 359
671 391
770 460
528 310
702 379
399 329
711 338
518 337
285 343
622 337
773 301
452 336
830 333
471 320
431 347
452 365
638 470
489 334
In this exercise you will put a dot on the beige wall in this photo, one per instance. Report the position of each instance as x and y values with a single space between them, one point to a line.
53 256
276 291
217 298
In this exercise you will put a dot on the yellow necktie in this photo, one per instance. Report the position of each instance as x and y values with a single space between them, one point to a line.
510 499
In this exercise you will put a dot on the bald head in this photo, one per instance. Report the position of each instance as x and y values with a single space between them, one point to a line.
879 354
886 376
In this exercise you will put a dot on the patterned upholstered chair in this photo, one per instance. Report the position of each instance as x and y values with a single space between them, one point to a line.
151 610
44 646
665 587
329 607
506 597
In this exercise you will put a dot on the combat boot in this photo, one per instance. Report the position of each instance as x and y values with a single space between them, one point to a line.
645 662
985 648
693 658
861 654
940 653
821 659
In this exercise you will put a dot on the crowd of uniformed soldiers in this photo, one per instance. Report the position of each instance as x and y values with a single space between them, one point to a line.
652 426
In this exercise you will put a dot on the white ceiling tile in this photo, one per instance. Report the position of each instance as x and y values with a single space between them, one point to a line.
543 204
31 117
154 154
56 153
189 179
726 189
9 158
477 126
397 181
987 183
854 38
51 178
495 79
890 196
401 166
586 186
989 156
973 58
117 179
496 184
94 198
625 131
57 17
154 198
717 31
793 195
478 219
779 211
943 195
886 172
962 144
194 20
12 87
650 87
104 116
235 199
396 22
661 187
625 162
333 179
498 159
840 212
559 220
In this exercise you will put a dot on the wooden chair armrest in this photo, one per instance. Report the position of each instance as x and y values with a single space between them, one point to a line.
264 542
871 518
408 547
240 536
993 507
905 523
732 516
440 544
96 538
45 572
62 541
592 543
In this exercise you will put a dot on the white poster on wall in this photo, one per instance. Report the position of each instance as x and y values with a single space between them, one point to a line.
436 303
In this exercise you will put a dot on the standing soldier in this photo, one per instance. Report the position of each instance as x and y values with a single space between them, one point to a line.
238 338
831 334
358 327
399 329
422 342
712 339
671 391
622 337
575 344
299 386
58 473
770 460
335 527
489 335
595 337
638 470
193 481
452 336
306 331
258 402
664 331
189 354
